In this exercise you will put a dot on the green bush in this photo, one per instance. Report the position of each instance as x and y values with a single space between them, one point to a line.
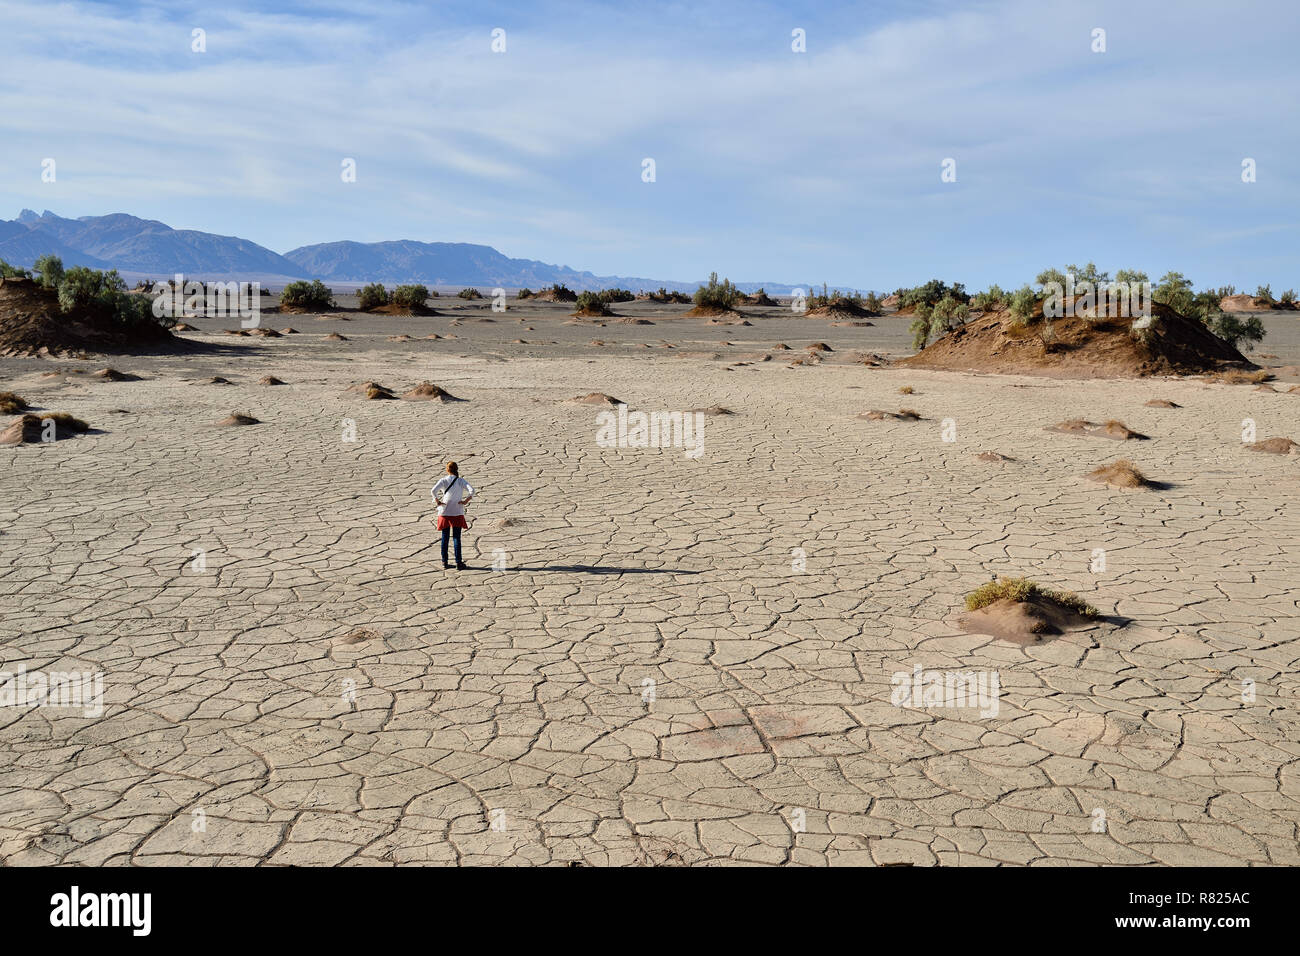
1287 297
1236 332
931 294
1265 293
307 295
1024 305
524 294
469 294
51 270
991 298
410 296
372 296
89 291
717 295
592 303
12 272
616 295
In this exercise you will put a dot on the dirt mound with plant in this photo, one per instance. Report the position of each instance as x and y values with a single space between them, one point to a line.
1014 609
1121 474
428 392
596 398
34 429
556 295
32 323
712 312
841 309
1077 347
1112 429
759 298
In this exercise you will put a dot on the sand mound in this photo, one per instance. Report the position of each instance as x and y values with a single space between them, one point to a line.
1014 609
596 398
428 392
818 347
265 333
551 295
1079 347
218 380
780 347
244 332
270 380
288 330
1112 429
113 375
235 419
373 391
712 311
760 299
33 429
713 410
902 415
1238 377
626 320
1274 446
11 403
594 312
393 308
841 309
1162 403
1120 474
183 327
508 522
360 635
32 323
399 338
992 456
597 342
852 325
335 337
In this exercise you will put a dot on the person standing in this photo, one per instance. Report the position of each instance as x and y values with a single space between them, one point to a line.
451 494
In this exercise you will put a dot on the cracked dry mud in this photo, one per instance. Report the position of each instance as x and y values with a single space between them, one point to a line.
504 716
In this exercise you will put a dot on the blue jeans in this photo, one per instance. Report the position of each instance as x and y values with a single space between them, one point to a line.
447 533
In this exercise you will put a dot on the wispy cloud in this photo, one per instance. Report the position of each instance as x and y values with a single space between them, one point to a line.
770 164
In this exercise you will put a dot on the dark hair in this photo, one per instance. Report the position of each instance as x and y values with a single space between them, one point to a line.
452 469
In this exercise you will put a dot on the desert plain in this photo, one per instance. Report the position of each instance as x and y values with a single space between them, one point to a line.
654 658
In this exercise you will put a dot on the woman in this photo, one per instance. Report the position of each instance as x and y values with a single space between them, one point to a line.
451 494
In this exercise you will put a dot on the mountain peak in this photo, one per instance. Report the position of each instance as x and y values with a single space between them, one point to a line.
27 216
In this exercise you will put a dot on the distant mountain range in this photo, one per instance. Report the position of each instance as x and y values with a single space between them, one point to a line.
148 248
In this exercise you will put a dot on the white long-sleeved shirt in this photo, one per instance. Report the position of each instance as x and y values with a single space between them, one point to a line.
456 490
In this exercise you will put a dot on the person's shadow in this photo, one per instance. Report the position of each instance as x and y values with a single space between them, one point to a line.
601 569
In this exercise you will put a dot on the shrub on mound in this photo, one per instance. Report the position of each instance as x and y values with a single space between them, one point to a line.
307 295
1021 590
410 296
716 295
469 294
372 296
590 303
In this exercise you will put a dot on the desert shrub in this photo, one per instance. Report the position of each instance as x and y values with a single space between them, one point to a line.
616 295
1224 291
1264 293
307 295
946 315
1020 590
871 302
991 298
85 290
12 272
591 302
524 294
920 327
410 296
81 289
717 295
470 293
1287 297
372 296
1023 305
50 269
1132 276
1237 332
1175 291
931 294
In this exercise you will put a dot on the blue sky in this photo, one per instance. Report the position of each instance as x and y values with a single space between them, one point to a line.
770 164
